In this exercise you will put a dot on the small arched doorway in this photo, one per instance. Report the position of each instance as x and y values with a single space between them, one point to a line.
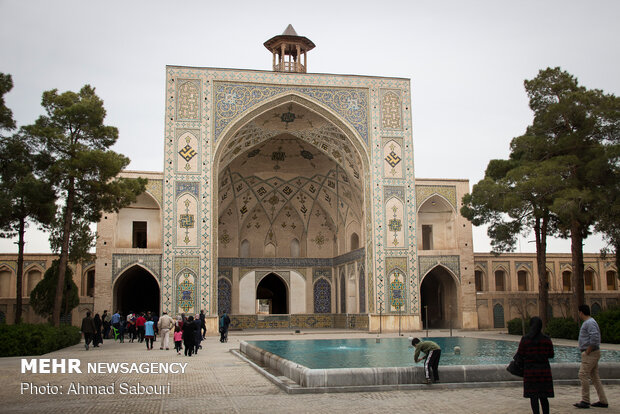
136 290
272 292
439 304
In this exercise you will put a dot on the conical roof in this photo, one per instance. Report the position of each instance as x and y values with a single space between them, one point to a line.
290 38
289 31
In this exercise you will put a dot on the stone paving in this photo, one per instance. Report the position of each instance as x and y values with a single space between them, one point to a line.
215 381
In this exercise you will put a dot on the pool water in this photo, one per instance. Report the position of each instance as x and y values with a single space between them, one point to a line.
398 352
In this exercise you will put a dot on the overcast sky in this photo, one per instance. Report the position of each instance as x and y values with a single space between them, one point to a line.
466 60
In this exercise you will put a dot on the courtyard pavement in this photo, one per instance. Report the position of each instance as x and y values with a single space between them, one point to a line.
216 381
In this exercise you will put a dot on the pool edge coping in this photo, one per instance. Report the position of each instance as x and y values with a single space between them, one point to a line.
294 378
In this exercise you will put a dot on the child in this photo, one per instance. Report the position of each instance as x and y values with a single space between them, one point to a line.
149 334
178 339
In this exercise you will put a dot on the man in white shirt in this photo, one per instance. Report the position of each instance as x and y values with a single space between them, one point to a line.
164 325
590 347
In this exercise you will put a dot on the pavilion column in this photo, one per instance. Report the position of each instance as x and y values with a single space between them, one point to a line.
282 57
297 60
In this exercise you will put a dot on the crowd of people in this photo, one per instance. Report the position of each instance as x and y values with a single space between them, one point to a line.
187 331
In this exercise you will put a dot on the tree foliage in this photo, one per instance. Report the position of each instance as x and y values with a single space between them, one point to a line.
6 115
81 240
43 295
83 169
25 196
581 128
560 177
514 197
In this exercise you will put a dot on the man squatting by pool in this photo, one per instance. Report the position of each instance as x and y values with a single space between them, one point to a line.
431 363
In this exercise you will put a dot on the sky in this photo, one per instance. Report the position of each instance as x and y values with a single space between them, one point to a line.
467 61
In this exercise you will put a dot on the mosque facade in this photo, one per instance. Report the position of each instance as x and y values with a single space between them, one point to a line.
288 200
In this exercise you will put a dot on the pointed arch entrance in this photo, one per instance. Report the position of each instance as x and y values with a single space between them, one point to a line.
438 294
272 293
291 186
137 290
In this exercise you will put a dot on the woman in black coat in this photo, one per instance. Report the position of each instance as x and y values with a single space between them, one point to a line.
189 336
97 339
536 348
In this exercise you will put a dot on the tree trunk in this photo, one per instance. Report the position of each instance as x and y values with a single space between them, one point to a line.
577 275
64 252
540 231
20 271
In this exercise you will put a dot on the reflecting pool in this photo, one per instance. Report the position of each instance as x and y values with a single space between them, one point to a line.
398 352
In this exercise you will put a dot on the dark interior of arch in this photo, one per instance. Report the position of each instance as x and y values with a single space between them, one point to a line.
273 288
438 294
136 290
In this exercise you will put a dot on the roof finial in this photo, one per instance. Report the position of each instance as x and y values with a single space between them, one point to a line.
287 50
289 31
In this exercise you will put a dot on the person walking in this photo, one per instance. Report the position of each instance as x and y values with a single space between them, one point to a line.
590 347
149 333
122 326
189 336
178 339
224 324
536 348
115 320
131 326
197 335
165 324
203 324
88 329
97 337
431 363
140 321
107 324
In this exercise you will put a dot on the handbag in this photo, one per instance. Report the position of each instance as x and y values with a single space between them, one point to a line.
516 366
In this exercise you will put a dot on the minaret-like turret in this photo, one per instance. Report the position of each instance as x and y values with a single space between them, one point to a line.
287 49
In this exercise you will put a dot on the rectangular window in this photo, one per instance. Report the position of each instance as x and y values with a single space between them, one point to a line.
522 279
611 280
499 280
139 235
566 279
588 280
427 237
478 275
90 283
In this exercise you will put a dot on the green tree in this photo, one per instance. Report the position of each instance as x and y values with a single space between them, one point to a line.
43 295
25 196
81 240
608 208
84 169
580 125
514 197
6 115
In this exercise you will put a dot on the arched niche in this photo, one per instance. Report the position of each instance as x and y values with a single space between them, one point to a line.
139 224
330 163
436 224
6 288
